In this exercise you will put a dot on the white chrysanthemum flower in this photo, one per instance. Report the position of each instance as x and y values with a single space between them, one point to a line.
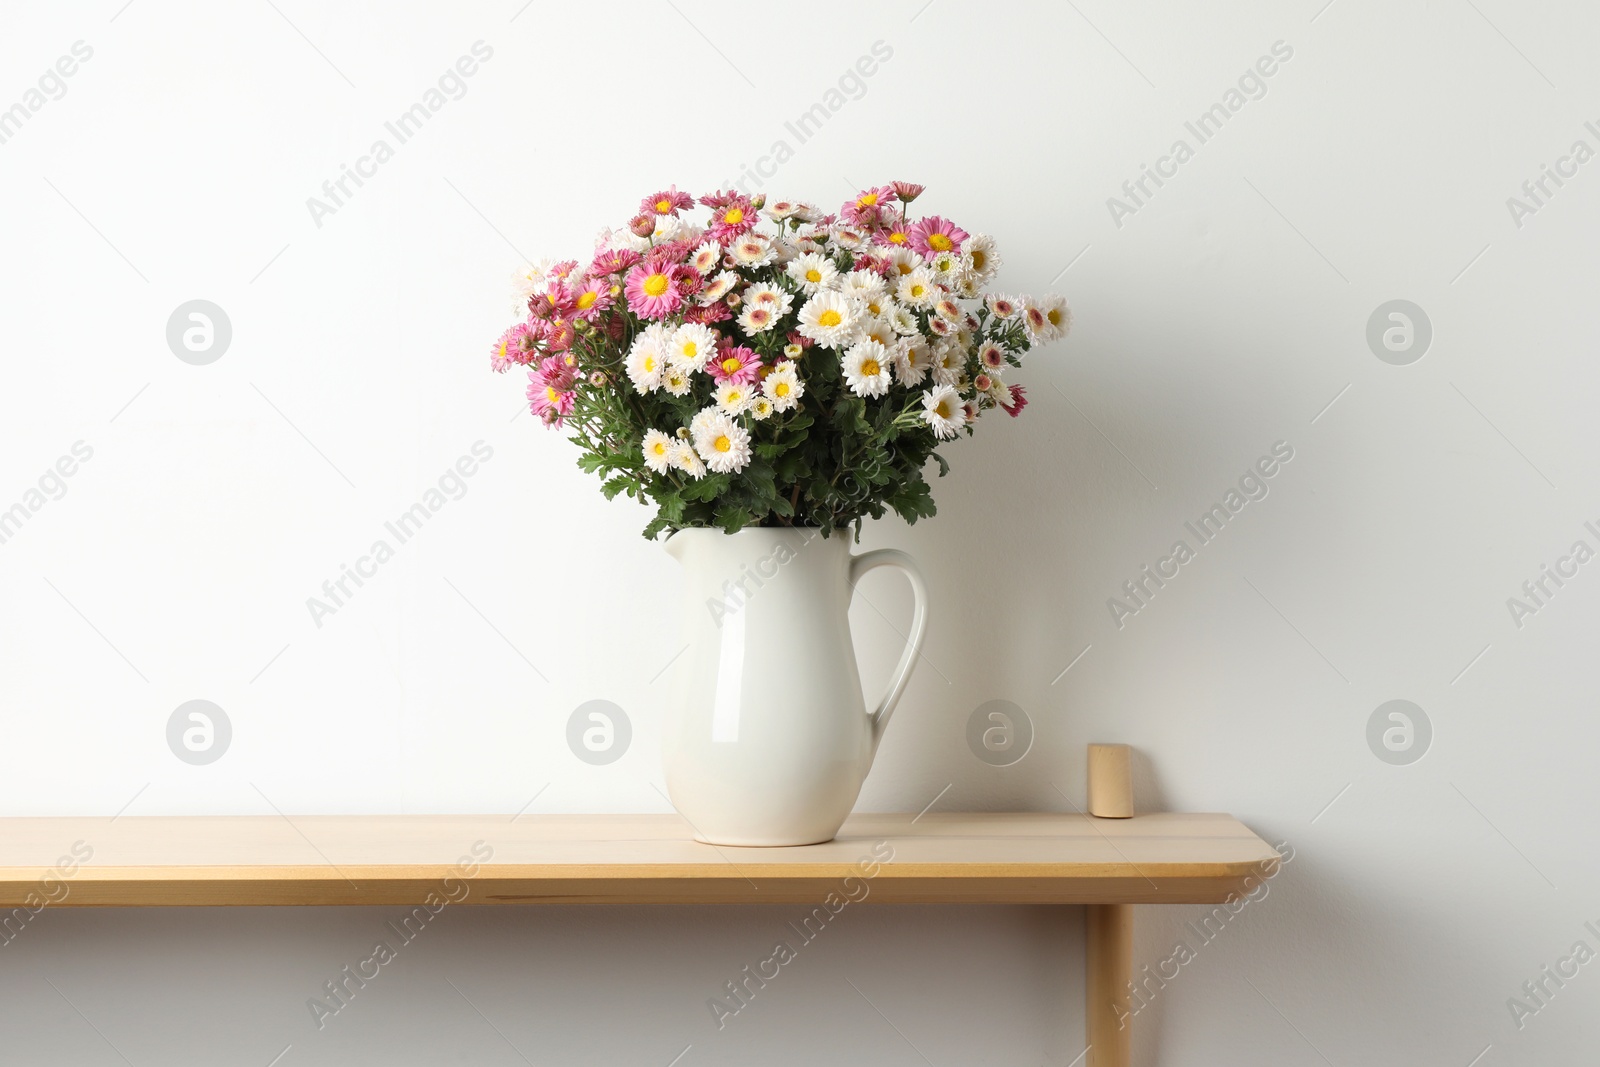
783 250
1002 306
879 330
685 459
918 289
947 308
1000 393
691 346
1048 319
991 356
528 283
848 237
980 255
647 359
912 361
941 408
734 397
793 351
752 250
880 304
867 284
778 210
701 420
783 387
757 318
770 296
949 363
904 261
903 321
658 451
813 272
719 287
866 368
675 380
761 408
706 258
947 267
829 318
723 444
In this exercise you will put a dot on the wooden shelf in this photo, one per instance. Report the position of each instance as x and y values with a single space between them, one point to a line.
624 859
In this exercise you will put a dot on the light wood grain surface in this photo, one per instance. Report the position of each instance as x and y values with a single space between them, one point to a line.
624 859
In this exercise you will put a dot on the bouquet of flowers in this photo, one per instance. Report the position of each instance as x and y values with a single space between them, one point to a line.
774 366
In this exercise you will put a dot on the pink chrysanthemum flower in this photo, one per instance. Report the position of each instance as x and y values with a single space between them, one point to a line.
708 314
559 334
876 264
896 233
907 191
593 298
736 364
652 289
933 235
614 261
732 214
1019 400
515 346
667 202
550 394
868 208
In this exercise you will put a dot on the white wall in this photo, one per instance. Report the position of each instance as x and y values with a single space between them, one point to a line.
1221 317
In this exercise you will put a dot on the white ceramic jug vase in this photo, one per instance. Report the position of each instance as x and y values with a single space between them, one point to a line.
768 738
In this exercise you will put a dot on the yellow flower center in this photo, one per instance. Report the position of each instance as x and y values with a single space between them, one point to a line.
870 368
939 242
875 309
649 364
663 206
503 347
656 284
690 348
813 275
723 444
734 216
917 291
867 201
829 318
942 409
659 448
550 391
586 301
979 258
782 389
897 238
731 365
1054 315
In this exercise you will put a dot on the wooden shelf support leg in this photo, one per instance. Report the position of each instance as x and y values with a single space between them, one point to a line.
1110 969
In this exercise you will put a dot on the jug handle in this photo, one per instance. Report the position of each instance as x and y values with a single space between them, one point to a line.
893 557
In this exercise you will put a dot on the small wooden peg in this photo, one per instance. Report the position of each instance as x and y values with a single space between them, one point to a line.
1110 782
